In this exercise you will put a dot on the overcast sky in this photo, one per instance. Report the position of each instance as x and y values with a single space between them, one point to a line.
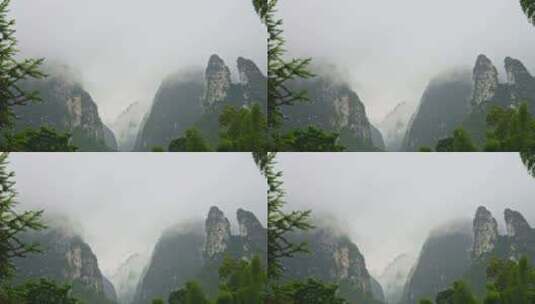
389 203
389 50
124 48
123 202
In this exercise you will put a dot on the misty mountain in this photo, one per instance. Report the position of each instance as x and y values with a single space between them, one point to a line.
185 254
195 100
445 104
335 107
334 258
457 101
66 258
395 124
444 258
465 255
127 125
67 107
127 276
394 277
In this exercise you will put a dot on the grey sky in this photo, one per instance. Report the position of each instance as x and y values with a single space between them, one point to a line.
124 48
390 49
123 202
389 203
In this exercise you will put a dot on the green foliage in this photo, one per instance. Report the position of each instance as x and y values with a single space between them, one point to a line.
243 129
242 282
308 292
87 143
510 130
425 149
311 139
261 7
280 70
528 6
13 222
158 301
460 142
458 294
12 94
192 141
190 294
511 282
45 292
508 282
178 296
528 158
157 149
461 294
44 139
280 222
13 71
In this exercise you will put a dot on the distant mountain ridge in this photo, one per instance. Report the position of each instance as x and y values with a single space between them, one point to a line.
126 126
394 125
127 277
394 277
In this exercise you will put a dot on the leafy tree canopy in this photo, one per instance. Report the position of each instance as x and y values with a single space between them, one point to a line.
44 139
13 222
12 71
311 139
192 141
243 130
528 6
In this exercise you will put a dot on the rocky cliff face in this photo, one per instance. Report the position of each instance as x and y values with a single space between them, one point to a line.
217 229
520 236
67 107
66 258
485 232
253 82
520 85
196 253
521 82
517 226
334 258
485 76
335 107
217 81
252 233
195 100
